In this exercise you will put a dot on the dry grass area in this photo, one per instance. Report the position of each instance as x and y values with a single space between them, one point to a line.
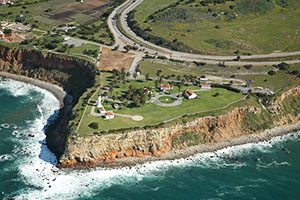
70 10
115 60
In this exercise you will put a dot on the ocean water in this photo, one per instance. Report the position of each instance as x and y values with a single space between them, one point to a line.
267 170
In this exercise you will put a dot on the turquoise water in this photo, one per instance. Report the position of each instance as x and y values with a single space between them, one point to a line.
269 170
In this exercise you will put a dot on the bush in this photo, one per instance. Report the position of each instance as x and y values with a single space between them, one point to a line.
94 125
272 73
283 66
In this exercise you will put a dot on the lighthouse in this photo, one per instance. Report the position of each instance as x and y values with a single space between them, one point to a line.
99 105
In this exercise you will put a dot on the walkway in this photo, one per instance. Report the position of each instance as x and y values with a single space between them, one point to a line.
155 100
133 117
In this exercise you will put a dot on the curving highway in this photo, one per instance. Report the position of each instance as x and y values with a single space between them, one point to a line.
117 23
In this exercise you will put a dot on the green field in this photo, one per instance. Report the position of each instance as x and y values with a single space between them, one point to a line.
250 26
89 17
152 113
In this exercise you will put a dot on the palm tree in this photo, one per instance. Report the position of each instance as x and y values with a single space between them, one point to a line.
179 88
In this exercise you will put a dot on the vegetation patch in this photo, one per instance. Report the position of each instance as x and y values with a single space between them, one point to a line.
246 7
207 26
187 139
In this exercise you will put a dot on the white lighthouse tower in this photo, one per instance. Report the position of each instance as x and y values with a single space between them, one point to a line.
99 102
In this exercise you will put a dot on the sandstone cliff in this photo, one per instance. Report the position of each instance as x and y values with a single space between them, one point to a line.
73 75
107 149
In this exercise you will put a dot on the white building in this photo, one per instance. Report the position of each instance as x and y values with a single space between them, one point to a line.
206 86
109 115
189 94
99 103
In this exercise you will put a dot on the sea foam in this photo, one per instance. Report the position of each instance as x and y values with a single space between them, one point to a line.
38 167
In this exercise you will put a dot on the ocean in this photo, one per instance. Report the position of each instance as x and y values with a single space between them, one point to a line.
266 170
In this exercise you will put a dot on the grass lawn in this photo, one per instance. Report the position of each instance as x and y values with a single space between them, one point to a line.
166 99
275 30
154 114
84 49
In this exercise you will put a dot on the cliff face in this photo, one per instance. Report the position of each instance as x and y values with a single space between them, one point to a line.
107 149
73 75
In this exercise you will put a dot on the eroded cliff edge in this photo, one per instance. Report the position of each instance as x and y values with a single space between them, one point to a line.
71 74
185 139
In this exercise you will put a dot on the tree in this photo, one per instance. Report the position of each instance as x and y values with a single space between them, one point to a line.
271 72
7 31
179 87
158 72
94 125
283 66
135 75
147 76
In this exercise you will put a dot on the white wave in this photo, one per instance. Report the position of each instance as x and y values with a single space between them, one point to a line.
4 157
6 126
51 183
272 164
17 88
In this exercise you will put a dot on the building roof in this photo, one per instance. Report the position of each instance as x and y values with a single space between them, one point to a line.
189 92
206 85
166 86
109 113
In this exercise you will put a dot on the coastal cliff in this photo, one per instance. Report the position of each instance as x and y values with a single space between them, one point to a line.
151 143
71 74
154 144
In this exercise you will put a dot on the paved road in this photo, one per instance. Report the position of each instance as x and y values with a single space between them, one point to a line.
157 102
153 49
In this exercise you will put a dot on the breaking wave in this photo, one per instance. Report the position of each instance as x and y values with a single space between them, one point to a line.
38 170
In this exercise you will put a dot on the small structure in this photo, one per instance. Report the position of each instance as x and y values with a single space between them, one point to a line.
102 110
67 28
166 87
5 2
109 115
206 86
190 94
99 102
116 106
203 79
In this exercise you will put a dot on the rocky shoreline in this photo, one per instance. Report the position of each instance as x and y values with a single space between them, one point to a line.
191 151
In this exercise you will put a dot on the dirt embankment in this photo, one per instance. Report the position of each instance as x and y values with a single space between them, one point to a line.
239 126
72 75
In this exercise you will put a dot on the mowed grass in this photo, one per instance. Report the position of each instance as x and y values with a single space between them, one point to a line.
85 47
276 30
154 114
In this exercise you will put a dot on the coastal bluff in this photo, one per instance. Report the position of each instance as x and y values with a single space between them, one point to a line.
64 75
241 125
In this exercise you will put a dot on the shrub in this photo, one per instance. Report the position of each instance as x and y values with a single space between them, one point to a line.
271 72
283 66
94 125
